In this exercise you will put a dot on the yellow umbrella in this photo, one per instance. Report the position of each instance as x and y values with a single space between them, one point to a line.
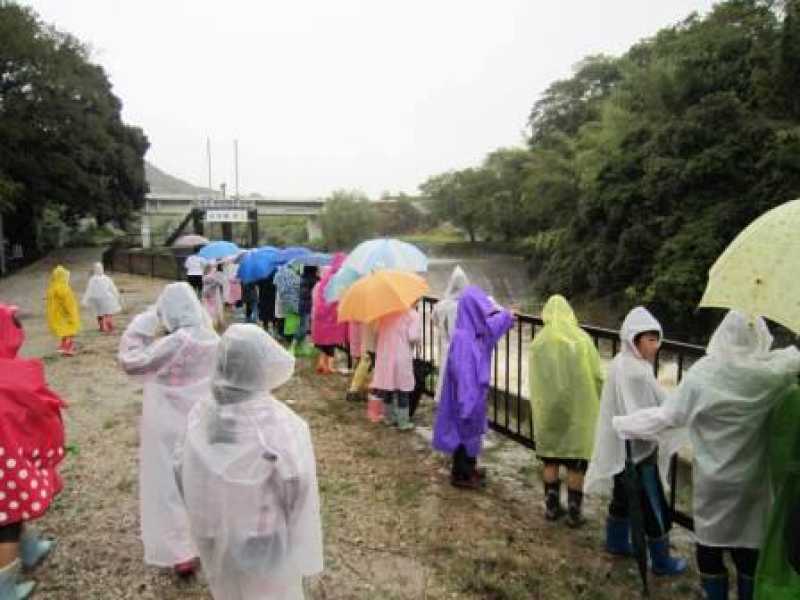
379 294
759 272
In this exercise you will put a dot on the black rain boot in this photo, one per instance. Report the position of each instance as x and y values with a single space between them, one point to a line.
574 504
552 501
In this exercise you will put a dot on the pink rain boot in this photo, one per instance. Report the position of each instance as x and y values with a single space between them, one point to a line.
374 409
69 347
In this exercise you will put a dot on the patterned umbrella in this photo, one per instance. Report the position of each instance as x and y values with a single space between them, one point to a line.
368 256
757 272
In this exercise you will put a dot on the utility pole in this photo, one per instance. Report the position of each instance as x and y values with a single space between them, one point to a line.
236 166
208 154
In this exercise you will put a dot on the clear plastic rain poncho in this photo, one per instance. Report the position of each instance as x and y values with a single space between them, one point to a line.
725 400
101 294
214 284
249 476
444 318
565 380
176 371
630 386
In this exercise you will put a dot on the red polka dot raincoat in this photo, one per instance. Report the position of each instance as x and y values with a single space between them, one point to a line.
31 430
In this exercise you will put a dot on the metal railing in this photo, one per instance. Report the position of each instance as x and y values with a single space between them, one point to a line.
510 412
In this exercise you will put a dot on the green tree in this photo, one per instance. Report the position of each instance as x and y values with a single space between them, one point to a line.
347 219
463 198
64 143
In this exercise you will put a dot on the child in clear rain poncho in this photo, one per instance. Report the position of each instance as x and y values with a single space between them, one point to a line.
630 386
725 401
566 378
444 318
176 370
248 476
214 284
63 315
103 297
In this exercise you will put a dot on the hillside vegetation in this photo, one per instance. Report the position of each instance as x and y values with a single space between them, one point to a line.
640 169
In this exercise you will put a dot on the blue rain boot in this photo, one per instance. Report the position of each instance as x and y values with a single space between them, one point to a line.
389 417
618 536
33 549
403 421
9 588
661 562
715 587
744 585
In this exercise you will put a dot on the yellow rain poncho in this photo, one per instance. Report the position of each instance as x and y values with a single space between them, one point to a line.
565 382
62 312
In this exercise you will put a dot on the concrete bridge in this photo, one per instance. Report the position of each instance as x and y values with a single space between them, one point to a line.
199 209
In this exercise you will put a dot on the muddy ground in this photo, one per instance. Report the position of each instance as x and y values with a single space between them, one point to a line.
394 527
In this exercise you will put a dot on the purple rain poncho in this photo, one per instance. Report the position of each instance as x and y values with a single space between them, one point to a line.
461 415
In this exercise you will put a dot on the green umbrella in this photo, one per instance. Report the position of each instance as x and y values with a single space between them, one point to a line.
633 486
758 272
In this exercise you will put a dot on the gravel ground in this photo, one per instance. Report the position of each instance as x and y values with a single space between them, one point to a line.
394 527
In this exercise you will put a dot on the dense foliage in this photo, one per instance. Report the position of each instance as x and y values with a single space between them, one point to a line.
347 219
641 169
65 149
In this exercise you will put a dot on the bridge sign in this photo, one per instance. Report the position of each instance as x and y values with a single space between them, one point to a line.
226 216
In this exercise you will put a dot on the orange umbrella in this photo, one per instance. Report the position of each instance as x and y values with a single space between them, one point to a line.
381 293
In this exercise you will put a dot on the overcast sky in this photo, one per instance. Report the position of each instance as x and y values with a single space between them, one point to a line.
327 94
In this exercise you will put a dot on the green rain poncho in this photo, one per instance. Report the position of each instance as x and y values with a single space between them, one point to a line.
565 382
776 579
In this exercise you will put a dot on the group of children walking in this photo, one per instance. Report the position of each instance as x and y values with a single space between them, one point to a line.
62 310
227 472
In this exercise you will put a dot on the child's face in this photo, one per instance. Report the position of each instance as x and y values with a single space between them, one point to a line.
648 345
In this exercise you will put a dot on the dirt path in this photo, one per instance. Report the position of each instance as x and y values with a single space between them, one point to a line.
394 527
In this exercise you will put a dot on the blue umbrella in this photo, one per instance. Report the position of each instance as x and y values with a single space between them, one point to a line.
315 259
217 250
292 252
258 264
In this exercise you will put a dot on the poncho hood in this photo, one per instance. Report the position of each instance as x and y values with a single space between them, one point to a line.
638 320
558 310
178 307
249 362
12 336
455 286
474 309
738 338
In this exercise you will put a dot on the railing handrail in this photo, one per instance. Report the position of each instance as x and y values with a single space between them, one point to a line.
604 332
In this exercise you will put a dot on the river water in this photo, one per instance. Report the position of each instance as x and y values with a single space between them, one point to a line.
506 278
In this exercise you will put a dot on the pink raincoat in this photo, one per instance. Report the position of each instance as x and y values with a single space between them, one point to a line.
325 327
397 335
354 333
